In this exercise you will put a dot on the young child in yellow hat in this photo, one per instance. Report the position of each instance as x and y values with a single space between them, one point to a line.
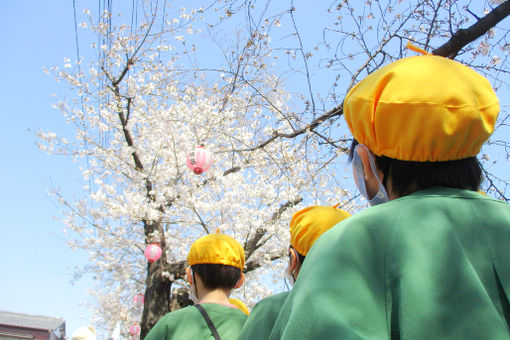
216 263
430 259
306 227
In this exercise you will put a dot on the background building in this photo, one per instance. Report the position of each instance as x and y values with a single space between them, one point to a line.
25 326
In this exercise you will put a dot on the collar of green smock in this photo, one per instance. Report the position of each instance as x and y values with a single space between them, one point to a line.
445 192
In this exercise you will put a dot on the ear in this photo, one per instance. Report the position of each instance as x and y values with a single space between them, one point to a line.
294 259
363 155
371 182
189 276
240 281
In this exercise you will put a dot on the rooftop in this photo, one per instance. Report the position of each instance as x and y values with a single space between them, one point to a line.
30 321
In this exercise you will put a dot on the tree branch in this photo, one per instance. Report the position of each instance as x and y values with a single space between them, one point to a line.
123 73
251 245
431 28
252 265
178 269
463 37
336 112
254 243
127 134
450 49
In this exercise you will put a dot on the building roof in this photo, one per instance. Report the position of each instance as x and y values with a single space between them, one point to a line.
30 321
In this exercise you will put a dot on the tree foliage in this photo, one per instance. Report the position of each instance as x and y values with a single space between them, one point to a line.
258 83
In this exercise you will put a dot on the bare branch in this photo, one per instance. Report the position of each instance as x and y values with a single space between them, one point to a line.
304 56
463 37
432 23
336 112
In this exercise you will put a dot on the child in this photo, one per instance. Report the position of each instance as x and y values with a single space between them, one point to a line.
216 262
430 259
306 227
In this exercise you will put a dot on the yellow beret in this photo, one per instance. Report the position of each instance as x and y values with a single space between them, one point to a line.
240 305
422 108
310 223
216 249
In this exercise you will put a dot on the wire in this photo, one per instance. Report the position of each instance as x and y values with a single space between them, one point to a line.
78 58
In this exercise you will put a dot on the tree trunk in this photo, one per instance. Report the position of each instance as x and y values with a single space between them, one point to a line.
157 296
157 286
180 299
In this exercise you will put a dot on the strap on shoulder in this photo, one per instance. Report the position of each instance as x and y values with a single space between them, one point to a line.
209 322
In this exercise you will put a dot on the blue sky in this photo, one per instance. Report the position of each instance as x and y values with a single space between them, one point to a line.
36 263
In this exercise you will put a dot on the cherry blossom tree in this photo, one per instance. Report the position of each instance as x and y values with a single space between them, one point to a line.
258 83
138 110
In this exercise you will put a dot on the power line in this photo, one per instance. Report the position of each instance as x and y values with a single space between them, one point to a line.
78 58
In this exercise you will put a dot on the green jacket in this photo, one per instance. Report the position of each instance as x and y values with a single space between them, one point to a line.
431 265
263 317
188 323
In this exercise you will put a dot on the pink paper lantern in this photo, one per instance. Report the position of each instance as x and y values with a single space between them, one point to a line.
134 329
199 160
139 299
153 252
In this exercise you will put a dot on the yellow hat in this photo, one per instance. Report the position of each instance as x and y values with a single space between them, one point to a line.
240 305
422 108
310 223
216 249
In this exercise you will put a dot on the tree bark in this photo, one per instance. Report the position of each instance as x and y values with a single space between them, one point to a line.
180 299
157 297
157 286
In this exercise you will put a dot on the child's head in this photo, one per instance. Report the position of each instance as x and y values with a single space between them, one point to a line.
218 260
306 226
408 176
424 120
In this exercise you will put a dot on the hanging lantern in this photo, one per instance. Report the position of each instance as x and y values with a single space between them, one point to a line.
199 160
153 252
134 329
139 299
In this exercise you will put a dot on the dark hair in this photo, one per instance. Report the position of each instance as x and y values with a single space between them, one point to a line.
300 257
217 276
408 176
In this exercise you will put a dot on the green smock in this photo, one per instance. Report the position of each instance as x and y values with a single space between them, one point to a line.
431 265
263 317
187 323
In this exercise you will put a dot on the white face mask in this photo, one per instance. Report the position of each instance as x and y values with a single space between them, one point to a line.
357 168
289 277
289 273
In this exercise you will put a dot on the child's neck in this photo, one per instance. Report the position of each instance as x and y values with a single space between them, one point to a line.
215 296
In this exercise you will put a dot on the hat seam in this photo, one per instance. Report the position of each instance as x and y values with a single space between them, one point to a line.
207 261
429 103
